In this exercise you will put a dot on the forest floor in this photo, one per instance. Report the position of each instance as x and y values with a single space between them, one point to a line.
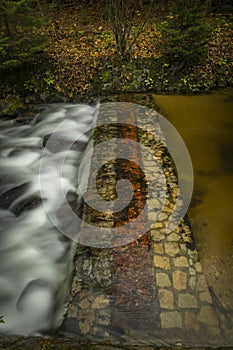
80 61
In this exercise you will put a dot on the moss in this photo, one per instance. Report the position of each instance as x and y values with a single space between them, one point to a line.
11 105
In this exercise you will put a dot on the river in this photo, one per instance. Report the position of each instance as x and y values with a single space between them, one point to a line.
205 123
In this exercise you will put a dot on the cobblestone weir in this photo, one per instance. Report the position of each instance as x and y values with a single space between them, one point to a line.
152 291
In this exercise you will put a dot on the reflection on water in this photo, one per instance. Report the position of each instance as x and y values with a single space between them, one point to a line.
205 123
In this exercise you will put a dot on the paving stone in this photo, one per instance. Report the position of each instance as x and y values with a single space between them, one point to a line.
179 280
154 203
198 267
187 301
100 302
157 236
193 254
161 262
214 332
191 262
163 216
84 304
72 311
183 248
201 284
171 319
168 209
173 237
208 316
166 299
158 248
162 279
192 271
181 261
205 297
192 282
191 322
172 248
84 327
157 225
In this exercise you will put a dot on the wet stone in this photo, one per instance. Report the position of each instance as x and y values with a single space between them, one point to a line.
84 304
192 271
84 327
157 236
162 280
72 311
172 248
191 322
198 267
163 216
208 316
171 319
179 280
192 282
181 261
202 284
158 248
173 237
166 299
161 262
100 302
157 225
187 301
205 297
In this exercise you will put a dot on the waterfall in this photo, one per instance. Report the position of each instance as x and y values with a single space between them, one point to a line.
38 171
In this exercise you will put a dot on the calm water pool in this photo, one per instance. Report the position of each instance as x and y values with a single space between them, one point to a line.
205 123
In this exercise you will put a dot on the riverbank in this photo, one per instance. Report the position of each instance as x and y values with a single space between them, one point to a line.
80 63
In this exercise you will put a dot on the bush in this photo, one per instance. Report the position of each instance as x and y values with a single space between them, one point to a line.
184 32
20 29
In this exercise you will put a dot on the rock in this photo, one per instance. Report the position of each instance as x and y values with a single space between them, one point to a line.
166 299
179 280
208 316
191 322
181 261
202 284
100 302
158 248
172 248
161 262
187 301
171 319
162 280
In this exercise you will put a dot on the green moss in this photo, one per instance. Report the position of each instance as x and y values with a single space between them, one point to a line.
10 105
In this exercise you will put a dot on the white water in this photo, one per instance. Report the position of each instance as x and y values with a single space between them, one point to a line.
35 258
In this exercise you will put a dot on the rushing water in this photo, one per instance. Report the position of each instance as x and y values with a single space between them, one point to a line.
36 259
205 123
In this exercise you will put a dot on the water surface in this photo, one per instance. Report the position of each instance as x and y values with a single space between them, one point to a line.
205 123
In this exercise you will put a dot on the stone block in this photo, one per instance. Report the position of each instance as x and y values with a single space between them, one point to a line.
202 284
162 279
191 322
187 301
161 262
179 280
208 316
166 299
205 297
173 237
172 248
181 261
171 319
158 248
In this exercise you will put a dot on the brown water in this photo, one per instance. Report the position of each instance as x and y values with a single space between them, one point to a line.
205 123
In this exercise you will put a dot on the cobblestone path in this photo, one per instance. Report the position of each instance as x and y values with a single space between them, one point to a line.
151 291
